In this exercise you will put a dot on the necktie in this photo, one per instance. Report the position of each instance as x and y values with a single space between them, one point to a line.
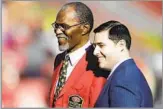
62 77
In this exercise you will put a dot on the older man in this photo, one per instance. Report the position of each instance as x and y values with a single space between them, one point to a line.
77 81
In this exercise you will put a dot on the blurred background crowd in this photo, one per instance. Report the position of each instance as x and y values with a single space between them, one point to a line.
29 45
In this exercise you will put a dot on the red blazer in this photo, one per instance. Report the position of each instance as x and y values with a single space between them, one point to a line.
83 86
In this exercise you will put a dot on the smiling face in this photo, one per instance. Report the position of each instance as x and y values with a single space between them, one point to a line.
69 38
105 50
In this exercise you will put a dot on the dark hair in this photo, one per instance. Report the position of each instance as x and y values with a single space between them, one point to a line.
83 13
117 32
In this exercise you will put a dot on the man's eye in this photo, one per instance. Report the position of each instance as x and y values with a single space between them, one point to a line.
64 26
101 45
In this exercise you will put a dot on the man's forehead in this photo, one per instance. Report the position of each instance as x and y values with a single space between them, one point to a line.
68 8
67 15
100 37
102 34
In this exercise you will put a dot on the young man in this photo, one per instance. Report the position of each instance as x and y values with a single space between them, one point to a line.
77 81
126 86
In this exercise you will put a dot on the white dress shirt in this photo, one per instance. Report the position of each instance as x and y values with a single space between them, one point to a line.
74 58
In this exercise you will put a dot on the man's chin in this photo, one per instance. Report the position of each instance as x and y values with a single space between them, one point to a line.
101 65
63 47
104 67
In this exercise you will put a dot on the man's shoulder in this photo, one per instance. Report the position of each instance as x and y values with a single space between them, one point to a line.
127 69
127 75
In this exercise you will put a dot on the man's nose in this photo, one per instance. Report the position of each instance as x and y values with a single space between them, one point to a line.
96 51
58 31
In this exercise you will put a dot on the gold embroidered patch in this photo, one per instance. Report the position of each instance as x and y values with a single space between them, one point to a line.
75 101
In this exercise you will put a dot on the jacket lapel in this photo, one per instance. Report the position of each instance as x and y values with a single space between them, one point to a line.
105 88
54 80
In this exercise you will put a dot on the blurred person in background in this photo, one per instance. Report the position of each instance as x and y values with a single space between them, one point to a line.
23 32
77 81
31 95
112 43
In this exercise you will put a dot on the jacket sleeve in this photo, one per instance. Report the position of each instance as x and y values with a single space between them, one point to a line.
124 95
96 87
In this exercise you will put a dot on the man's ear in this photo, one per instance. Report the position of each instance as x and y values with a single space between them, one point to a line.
86 29
121 45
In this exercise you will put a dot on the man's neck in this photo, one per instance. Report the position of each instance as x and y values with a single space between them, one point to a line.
124 56
84 40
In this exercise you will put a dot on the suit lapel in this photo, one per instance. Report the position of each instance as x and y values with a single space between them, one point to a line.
54 80
105 88
57 71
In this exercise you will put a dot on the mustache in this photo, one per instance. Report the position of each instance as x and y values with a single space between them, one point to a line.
62 36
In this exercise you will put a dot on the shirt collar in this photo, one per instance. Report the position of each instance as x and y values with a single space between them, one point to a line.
77 54
118 65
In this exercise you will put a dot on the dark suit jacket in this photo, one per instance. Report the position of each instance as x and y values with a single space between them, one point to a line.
86 81
126 87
